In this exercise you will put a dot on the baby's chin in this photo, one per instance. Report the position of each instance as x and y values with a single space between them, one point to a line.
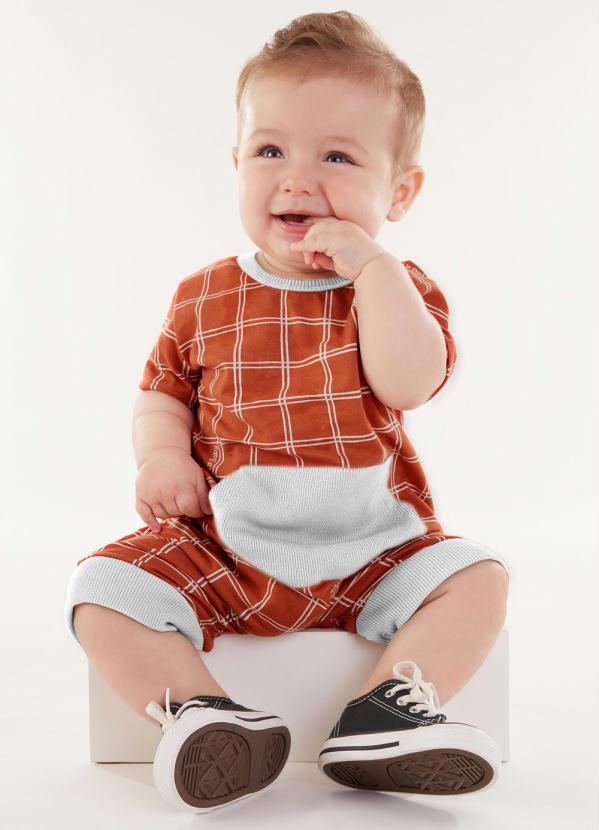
292 267
308 270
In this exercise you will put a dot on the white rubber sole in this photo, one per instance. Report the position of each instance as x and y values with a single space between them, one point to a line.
441 759
212 758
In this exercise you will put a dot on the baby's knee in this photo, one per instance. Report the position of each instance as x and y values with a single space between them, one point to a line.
496 576
489 581
89 616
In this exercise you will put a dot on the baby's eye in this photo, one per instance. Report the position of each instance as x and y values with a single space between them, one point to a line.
266 147
342 156
261 150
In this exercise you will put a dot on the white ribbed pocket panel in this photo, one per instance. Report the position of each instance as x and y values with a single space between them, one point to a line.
305 524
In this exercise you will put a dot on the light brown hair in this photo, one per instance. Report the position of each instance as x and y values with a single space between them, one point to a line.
342 44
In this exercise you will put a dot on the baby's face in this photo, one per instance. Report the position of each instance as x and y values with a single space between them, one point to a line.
291 158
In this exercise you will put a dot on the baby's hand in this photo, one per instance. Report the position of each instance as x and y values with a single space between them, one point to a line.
170 483
337 245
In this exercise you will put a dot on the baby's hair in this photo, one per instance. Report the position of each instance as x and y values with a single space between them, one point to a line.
342 44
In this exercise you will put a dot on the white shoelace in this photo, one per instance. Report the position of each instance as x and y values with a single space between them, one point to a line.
165 716
423 694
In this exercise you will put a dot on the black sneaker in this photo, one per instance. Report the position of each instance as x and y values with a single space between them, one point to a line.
379 743
214 751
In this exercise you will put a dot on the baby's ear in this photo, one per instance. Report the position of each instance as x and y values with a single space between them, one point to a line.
406 187
396 213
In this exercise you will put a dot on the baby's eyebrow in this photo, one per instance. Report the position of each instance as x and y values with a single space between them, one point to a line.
340 139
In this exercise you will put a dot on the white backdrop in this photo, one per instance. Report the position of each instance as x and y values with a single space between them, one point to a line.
117 180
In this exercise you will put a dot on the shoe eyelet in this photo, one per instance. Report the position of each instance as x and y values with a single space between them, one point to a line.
388 694
412 709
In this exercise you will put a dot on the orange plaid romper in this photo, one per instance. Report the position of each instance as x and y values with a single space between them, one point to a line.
322 516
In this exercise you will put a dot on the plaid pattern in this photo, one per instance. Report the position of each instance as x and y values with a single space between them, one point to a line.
274 378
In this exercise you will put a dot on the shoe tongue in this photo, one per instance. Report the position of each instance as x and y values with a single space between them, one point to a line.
403 692
383 687
210 698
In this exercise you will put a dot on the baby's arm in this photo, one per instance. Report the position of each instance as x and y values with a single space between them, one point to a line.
169 480
160 421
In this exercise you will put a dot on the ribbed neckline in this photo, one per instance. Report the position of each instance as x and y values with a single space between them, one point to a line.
248 263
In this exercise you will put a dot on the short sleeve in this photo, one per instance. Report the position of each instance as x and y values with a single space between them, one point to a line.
437 305
170 366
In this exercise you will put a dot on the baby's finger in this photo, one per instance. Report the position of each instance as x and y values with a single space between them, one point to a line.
324 261
147 514
188 504
160 510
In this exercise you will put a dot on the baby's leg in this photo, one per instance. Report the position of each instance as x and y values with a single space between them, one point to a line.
139 663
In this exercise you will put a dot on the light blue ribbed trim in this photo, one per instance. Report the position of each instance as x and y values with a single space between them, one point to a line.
404 588
129 589
248 263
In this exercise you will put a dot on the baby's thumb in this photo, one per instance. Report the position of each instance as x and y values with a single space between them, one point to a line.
204 501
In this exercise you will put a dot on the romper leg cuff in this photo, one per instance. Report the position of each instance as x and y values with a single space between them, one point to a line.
127 588
404 588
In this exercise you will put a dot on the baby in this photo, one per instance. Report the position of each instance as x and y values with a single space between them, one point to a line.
269 440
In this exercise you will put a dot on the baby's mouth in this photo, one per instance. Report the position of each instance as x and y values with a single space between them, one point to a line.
296 219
